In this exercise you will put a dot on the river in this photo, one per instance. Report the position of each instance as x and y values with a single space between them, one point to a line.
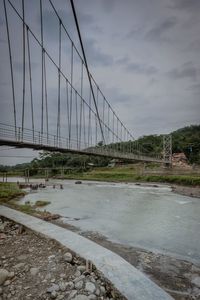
151 218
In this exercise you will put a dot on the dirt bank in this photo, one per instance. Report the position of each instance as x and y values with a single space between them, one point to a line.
187 190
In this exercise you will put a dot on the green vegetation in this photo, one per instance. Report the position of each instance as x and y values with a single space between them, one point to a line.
73 163
9 191
185 140
26 208
41 203
129 175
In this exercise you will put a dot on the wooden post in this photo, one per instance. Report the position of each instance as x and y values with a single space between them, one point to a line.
28 175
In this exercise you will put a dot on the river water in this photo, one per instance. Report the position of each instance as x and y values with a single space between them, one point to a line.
152 218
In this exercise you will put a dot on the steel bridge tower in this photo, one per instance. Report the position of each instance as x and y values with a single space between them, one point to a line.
167 150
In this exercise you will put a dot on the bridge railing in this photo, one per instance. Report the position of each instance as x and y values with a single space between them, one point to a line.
27 136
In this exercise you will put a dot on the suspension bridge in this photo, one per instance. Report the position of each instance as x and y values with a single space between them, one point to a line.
54 102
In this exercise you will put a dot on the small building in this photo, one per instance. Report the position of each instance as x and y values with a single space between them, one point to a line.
180 160
116 162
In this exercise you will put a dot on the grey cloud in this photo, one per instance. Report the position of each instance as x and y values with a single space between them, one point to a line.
95 55
51 22
51 33
108 5
141 68
135 33
85 19
97 29
138 68
187 70
1 22
189 5
194 46
116 97
18 66
195 88
123 61
152 81
158 32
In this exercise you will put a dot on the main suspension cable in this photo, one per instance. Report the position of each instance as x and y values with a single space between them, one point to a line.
87 69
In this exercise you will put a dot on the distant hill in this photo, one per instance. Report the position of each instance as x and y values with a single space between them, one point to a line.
185 140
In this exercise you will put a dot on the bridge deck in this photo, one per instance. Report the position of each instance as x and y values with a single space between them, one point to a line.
95 151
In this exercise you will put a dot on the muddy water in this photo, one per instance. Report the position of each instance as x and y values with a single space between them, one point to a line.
148 217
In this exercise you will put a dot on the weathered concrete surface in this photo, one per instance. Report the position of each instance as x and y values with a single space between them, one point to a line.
128 280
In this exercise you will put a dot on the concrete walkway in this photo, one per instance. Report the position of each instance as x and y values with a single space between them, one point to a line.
128 280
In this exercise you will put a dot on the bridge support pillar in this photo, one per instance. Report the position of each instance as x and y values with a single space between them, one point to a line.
62 172
46 174
27 175
5 177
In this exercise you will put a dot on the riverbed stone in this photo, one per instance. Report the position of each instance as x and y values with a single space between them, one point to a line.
102 290
19 265
81 297
81 268
11 274
4 274
68 257
92 297
81 277
79 285
34 271
77 273
196 281
7 282
97 292
69 285
54 294
22 257
90 287
62 286
92 279
54 287
72 294
60 297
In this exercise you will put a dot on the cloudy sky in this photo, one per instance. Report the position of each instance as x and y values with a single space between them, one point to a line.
143 54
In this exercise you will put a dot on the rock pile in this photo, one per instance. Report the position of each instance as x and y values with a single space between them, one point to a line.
32 267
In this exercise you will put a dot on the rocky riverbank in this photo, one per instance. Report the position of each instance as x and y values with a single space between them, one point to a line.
33 267
193 191
178 277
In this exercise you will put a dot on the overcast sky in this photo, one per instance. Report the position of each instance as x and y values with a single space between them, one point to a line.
143 54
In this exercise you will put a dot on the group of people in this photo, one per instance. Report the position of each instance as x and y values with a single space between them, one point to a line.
61 186
36 186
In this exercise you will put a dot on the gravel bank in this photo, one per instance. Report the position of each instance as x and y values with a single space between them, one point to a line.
187 190
33 267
